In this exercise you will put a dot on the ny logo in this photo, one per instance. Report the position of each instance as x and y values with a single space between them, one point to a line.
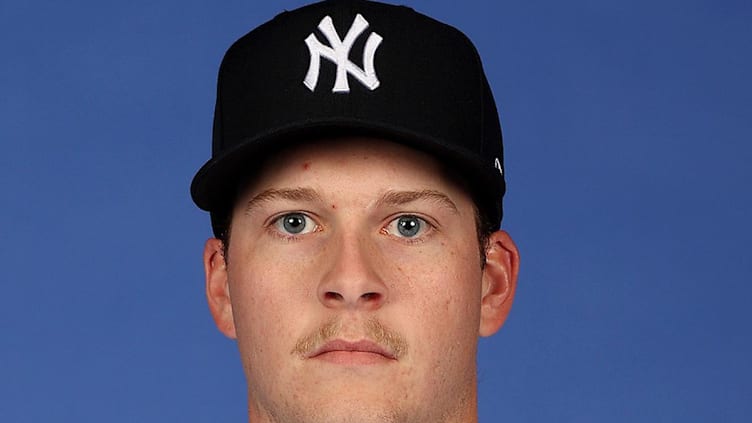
339 54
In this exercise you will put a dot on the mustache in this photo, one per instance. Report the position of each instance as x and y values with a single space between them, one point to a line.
374 331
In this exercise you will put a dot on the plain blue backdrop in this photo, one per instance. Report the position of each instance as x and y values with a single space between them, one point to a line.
628 131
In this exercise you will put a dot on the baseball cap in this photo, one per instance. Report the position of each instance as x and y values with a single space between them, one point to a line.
353 67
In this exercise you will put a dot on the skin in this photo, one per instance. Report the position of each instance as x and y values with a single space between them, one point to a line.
352 276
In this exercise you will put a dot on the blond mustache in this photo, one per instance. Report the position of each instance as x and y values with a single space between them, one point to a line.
374 331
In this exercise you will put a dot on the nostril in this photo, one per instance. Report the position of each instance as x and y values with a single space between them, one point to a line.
336 296
371 296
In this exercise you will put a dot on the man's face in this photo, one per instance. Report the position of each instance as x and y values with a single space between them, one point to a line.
354 288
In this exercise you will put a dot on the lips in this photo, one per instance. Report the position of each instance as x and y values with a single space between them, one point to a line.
345 352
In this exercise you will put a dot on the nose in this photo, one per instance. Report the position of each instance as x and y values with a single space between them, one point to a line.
351 280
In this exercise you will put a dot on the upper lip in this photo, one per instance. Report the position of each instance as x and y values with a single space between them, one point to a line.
358 346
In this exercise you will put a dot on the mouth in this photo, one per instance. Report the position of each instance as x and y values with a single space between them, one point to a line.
343 352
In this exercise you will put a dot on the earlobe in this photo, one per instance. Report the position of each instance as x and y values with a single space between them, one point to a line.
217 288
499 282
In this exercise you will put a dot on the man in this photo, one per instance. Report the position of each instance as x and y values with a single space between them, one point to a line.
355 193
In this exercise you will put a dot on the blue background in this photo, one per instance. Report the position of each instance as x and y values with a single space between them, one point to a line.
628 129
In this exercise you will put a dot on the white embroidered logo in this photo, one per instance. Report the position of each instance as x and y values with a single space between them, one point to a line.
339 54
497 165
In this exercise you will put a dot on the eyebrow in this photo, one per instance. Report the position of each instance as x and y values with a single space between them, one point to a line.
398 198
390 198
291 194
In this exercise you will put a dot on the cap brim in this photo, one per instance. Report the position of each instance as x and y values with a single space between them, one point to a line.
214 186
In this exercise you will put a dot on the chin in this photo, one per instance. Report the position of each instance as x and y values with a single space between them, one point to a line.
339 410
360 413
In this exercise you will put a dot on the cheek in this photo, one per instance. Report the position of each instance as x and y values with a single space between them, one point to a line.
440 273
267 288
440 290
441 325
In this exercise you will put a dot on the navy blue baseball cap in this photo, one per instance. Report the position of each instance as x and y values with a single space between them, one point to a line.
353 67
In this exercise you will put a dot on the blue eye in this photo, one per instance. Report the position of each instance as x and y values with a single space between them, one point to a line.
294 224
407 226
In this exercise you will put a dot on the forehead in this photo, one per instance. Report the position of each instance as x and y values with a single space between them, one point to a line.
326 163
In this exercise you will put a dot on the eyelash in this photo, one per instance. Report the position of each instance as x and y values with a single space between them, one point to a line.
272 226
426 230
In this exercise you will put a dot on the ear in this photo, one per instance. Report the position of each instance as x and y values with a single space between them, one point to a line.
217 288
499 282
